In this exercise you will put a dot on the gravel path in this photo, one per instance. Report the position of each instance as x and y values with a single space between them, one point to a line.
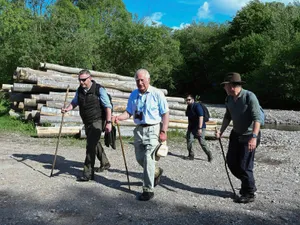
190 192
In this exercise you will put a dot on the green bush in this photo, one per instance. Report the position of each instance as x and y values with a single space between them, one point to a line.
4 104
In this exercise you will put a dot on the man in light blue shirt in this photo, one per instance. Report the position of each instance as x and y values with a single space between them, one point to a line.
150 111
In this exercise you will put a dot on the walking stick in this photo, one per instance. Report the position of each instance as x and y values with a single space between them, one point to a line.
226 166
61 124
120 137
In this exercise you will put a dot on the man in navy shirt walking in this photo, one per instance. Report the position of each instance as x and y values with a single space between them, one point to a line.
196 128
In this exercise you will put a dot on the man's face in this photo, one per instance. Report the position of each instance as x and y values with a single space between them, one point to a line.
142 82
189 100
228 88
85 80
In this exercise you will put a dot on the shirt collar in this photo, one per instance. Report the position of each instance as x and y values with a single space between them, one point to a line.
149 90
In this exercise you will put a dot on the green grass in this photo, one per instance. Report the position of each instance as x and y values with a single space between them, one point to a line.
10 124
176 135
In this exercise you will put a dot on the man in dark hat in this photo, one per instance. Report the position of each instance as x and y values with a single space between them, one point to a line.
242 107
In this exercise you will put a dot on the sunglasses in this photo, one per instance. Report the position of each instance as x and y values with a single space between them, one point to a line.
83 80
188 99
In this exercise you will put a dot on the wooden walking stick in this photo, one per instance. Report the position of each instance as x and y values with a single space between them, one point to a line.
59 134
225 161
120 137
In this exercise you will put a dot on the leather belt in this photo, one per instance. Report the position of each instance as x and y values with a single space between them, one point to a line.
146 125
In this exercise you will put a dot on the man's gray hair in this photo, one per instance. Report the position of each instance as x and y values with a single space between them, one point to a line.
143 71
84 72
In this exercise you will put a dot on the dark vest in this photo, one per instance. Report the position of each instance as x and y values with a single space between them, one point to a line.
89 105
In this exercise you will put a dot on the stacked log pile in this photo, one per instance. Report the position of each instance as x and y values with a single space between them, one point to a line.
40 95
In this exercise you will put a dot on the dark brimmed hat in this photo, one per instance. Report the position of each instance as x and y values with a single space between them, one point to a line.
233 78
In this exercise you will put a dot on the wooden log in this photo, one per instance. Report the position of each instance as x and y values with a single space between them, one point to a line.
20 105
177 112
175 99
113 92
29 75
54 131
30 102
53 112
58 104
73 70
33 76
30 88
120 85
125 132
177 106
39 106
6 87
33 115
78 130
57 119
62 74
47 97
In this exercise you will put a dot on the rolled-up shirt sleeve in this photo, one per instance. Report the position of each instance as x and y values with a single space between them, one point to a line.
104 98
74 101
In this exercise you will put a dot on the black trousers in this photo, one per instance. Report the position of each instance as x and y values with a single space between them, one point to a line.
93 148
241 161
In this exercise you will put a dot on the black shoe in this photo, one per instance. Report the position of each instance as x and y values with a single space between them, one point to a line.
157 179
102 168
85 178
190 157
146 196
209 157
245 192
246 198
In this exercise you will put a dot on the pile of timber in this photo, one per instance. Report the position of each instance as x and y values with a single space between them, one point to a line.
40 94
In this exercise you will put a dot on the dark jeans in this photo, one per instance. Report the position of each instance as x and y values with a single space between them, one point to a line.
241 161
93 147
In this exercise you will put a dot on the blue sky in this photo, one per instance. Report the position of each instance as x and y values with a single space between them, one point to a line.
180 13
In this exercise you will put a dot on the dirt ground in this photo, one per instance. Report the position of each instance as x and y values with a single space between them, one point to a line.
190 192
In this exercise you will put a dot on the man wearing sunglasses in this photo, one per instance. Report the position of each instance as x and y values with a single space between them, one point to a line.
94 105
196 128
242 107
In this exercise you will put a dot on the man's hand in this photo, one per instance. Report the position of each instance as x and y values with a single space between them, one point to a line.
64 110
199 132
108 127
114 119
218 134
162 136
252 144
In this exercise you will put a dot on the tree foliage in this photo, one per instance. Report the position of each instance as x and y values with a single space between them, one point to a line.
261 43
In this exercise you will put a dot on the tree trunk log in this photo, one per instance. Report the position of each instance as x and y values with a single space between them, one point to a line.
54 131
73 70
30 88
6 87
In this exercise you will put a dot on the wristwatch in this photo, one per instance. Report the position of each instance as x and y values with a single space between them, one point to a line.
254 135
108 122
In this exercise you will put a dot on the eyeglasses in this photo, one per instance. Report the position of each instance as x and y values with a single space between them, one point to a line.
83 80
188 99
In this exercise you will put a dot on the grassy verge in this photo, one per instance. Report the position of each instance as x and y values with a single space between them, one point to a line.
10 124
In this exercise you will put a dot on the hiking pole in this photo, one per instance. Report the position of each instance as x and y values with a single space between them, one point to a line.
120 137
59 134
226 166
